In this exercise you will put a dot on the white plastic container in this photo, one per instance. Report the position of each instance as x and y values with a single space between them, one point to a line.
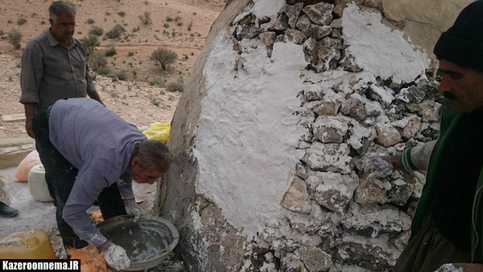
37 184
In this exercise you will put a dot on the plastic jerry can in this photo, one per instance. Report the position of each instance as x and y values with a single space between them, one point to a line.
37 184
34 244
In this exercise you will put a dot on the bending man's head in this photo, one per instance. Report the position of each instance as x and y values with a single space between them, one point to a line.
149 161
460 51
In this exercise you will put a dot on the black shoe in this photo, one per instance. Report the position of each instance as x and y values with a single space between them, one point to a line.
6 211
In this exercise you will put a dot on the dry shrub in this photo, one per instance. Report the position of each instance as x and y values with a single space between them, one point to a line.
177 86
96 30
146 18
115 32
110 52
14 38
97 61
21 21
91 42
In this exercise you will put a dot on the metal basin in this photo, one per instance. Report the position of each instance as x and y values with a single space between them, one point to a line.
147 242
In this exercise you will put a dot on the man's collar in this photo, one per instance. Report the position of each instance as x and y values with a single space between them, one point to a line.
53 41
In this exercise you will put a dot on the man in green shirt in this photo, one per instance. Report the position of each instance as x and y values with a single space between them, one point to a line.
54 65
447 226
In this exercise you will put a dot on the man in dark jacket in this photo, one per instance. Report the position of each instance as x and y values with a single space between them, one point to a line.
89 154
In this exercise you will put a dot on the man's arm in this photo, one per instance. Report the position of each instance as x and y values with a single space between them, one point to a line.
412 159
87 187
29 114
31 75
125 186
416 158
91 88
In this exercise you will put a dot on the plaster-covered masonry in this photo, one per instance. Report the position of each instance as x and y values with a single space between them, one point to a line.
294 100
247 142
379 49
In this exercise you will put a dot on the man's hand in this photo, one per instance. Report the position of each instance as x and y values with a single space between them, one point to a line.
29 116
28 128
133 208
378 165
116 257
460 267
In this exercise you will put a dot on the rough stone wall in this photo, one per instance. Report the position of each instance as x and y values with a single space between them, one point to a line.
331 216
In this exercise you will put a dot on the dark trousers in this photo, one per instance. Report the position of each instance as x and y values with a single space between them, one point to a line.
60 176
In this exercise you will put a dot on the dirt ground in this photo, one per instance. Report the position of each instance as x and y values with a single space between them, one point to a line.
141 99
135 99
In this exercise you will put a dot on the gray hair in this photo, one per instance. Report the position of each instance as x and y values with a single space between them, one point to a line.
58 7
153 155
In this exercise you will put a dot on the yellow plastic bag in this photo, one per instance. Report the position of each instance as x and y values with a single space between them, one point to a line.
158 131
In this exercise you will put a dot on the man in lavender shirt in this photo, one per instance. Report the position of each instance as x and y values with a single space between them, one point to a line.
90 153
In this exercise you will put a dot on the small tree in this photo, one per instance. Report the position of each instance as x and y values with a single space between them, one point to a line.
90 42
146 18
164 57
14 38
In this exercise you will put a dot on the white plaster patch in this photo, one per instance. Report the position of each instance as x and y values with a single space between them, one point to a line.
380 49
247 132
197 224
267 8
261 8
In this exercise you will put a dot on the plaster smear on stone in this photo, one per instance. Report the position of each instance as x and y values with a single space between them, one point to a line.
291 238
200 251
326 181
197 224
385 94
261 8
371 40
247 132
400 123
359 133
331 96
342 80
381 242
387 218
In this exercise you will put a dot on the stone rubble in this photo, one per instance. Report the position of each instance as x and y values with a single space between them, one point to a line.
360 222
